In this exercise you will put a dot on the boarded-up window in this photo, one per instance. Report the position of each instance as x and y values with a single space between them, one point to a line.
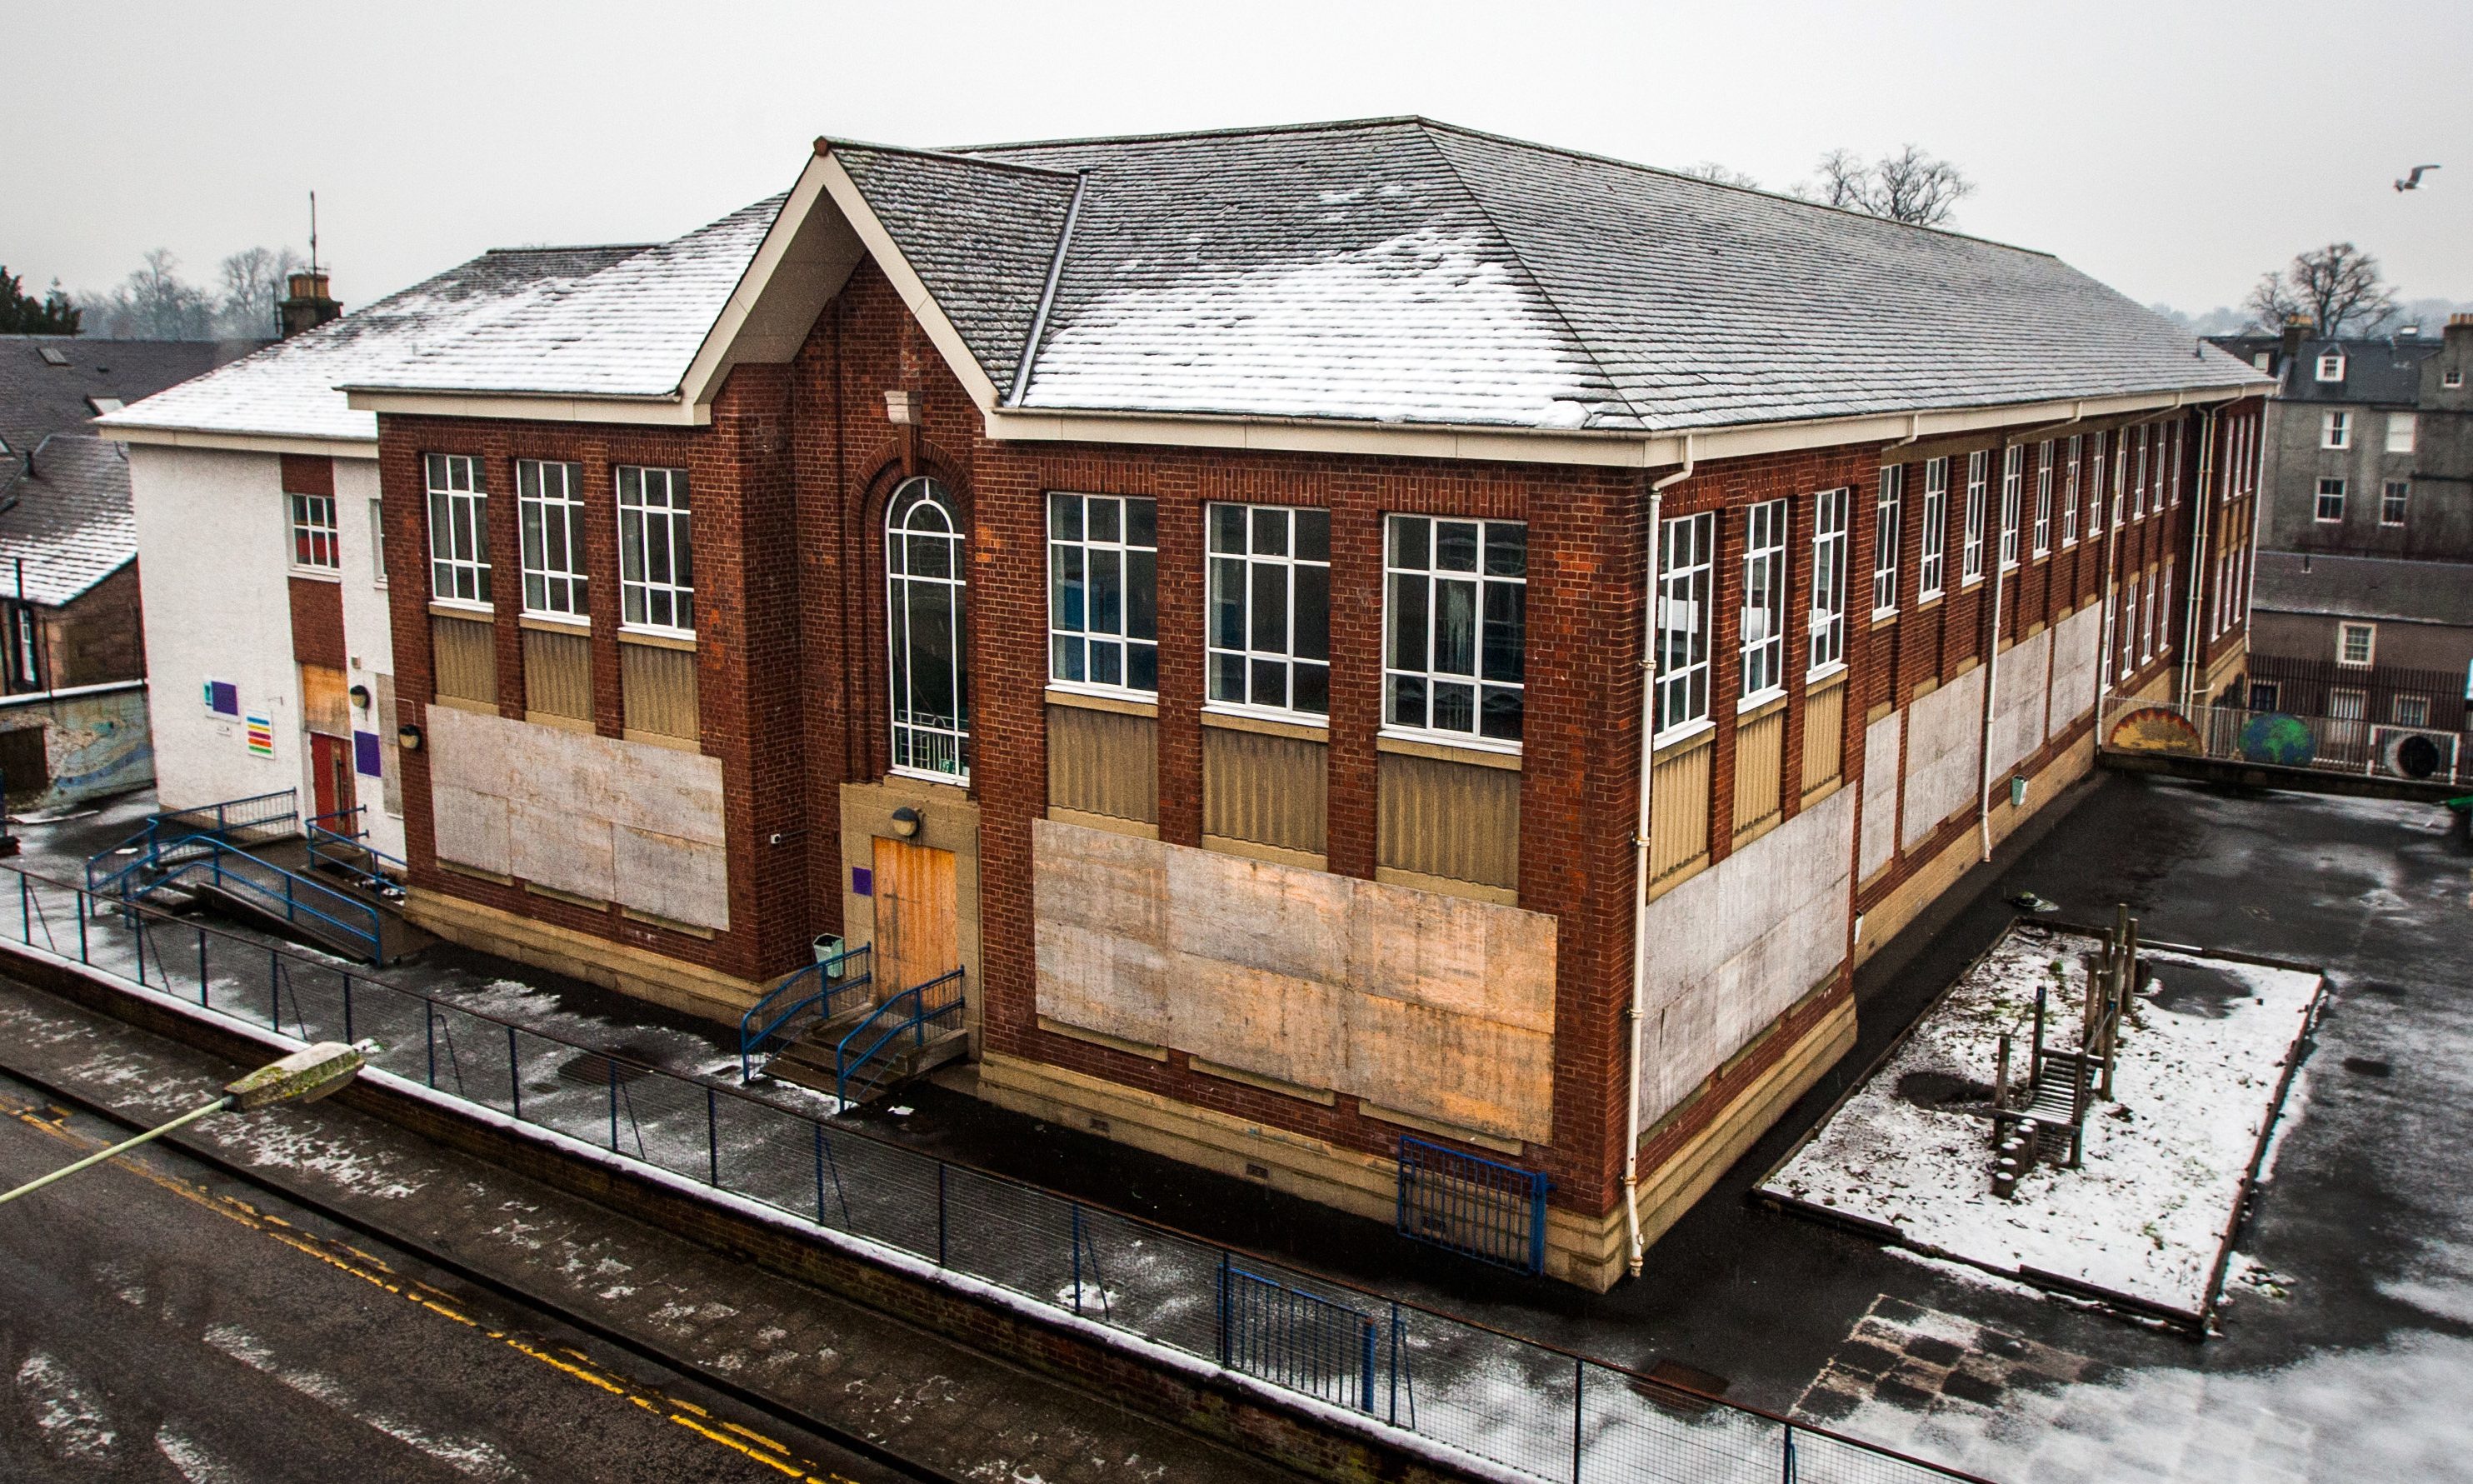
1824 738
1103 763
1678 831
658 684
558 674
1759 760
1262 790
465 654
1454 820
325 701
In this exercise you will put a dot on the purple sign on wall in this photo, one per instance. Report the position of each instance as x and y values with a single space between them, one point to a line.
862 881
367 760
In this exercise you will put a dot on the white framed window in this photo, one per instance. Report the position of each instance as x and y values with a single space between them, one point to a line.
2345 703
926 628
2119 474
1931 569
1978 484
1455 628
2401 426
1829 578
2147 627
459 529
2331 367
2070 493
2335 430
2129 628
656 564
2330 508
2173 471
1270 609
2410 710
2164 610
378 541
1761 644
2013 484
25 648
1103 592
2138 478
2043 497
1685 567
1889 518
549 514
2392 501
2263 695
316 545
2216 599
2095 486
2454 377
2356 643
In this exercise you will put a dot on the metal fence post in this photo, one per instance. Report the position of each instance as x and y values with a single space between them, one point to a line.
1395 1363
1788 1475
1579 1376
611 1063
1077 1256
1226 1319
515 1076
347 1007
712 1136
202 967
820 1172
85 905
274 993
941 1168
430 1029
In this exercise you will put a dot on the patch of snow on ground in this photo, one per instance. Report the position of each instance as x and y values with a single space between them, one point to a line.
2199 1062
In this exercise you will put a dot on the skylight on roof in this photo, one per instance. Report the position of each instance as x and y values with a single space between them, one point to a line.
51 356
103 405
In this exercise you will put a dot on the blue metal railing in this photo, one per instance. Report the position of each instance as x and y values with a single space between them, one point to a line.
938 1002
261 818
332 846
1295 1339
1480 1207
269 887
839 976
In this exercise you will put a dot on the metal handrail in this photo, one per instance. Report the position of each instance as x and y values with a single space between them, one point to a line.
825 971
916 1022
188 825
372 875
293 908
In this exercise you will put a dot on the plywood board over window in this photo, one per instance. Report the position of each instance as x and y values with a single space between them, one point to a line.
658 684
1449 824
465 655
1103 767
1263 794
1760 768
1679 804
1824 738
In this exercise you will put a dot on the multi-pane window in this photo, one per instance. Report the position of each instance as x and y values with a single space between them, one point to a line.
655 572
2095 486
2173 471
2410 710
2331 501
1103 591
1687 553
2335 430
2164 607
377 542
459 529
2044 497
927 623
2119 475
2138 478
313 532
1761 644
2400 431
2013 480
2129 629
1456 633
549 507
2147 627
2356 643
1888 514
2070 493
1979 480
1270 608
1828 578
1931 568
2392 501
2331 367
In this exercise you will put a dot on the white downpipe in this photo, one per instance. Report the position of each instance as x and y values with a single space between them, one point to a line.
2200 519
1639 856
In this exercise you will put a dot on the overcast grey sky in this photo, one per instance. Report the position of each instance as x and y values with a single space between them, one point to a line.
2174 151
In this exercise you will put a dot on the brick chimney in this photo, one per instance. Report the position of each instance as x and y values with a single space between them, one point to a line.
308 305
2296 329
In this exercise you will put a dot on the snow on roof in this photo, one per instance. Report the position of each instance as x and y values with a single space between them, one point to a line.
68 519
290 388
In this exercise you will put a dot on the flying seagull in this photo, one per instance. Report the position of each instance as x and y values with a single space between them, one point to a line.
2413 181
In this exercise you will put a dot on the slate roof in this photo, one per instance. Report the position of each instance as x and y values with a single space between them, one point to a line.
69 518
2383 588
37 398
289 388
2384 371
1391 270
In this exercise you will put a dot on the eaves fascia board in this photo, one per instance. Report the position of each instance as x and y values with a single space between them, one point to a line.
639 412
243 442
711 360
906 279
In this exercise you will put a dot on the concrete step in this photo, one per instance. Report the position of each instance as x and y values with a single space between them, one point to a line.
810 1063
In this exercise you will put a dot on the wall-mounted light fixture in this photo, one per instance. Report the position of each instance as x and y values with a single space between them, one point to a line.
408 738
360 695
905 822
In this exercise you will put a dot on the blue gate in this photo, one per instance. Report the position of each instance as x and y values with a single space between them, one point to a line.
1481 1209
1295 1339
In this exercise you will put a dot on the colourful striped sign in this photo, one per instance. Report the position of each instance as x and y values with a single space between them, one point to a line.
261 737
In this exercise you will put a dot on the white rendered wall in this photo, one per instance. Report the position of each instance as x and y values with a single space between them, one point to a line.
369 634
212 570
1944 752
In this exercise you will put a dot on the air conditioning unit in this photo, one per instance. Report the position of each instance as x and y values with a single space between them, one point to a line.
2413 752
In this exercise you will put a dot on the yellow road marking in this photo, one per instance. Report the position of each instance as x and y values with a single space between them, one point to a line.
377 1274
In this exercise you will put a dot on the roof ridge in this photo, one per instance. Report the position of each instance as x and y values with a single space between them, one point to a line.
578 247
1160 137
828 144
1528 272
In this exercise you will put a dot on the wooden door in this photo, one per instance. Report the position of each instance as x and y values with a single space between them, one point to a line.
917 936
330 779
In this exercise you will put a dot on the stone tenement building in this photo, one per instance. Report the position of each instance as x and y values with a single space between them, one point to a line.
1201 588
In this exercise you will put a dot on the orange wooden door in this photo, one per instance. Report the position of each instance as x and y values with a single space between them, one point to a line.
917 925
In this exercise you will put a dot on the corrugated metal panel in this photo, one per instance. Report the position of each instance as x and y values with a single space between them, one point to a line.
1678 829
1103 762
1824 737
1264 789
558 673
465 655
659 687
1760 766
1449 819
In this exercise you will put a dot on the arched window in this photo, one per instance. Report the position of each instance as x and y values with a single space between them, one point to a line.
924 593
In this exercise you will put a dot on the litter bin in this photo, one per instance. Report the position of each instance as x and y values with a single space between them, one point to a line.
828 952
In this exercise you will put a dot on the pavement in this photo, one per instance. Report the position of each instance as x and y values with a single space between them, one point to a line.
157 1317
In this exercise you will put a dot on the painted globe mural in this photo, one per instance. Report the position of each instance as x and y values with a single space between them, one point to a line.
2283 741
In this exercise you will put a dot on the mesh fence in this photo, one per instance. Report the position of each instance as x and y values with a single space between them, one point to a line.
1508 1401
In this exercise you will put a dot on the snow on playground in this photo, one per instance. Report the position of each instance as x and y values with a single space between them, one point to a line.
2201 1060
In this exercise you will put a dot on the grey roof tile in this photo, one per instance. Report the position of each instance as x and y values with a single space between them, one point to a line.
2378 588
68 519
38 398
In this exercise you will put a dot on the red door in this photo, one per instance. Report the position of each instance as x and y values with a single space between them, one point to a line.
330 778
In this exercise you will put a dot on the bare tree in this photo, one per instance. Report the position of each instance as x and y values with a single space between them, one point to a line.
1722 175
155 303
1909 186
2334 288
254 283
